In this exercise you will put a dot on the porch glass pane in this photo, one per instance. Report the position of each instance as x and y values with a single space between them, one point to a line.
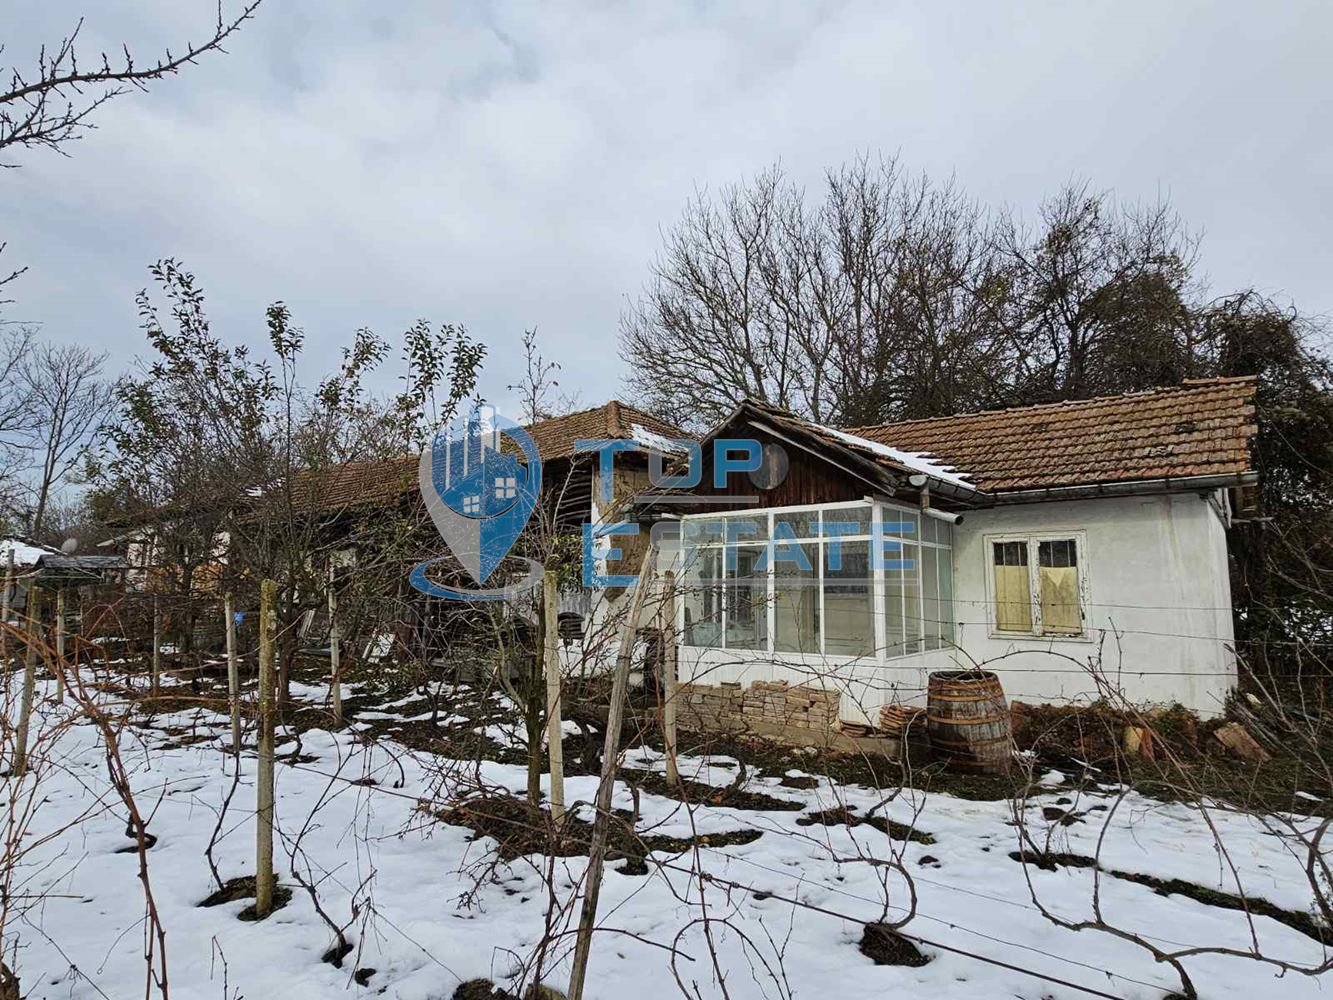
747 596
849 628
796 599
912 624
702 597
930 603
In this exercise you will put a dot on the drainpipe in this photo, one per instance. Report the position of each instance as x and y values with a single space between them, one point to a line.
948 517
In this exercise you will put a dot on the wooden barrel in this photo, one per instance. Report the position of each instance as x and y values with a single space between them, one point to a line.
967 720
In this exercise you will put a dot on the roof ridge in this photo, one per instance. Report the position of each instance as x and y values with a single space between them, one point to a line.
1186 386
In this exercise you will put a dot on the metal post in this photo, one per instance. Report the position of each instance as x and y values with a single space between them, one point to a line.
233 674
615 714
268 607
554 733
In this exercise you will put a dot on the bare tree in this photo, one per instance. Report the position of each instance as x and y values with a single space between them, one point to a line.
69 402
52 103
15 411
878 303
1102 292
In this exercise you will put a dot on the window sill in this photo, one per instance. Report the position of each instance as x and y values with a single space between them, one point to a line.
1042 637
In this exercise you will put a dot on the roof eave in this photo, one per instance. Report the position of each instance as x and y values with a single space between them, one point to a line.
1133 487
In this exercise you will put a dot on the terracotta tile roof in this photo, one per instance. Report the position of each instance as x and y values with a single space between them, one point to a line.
1200 428
616 420
379 483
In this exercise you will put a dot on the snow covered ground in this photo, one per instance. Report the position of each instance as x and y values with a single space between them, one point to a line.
422 928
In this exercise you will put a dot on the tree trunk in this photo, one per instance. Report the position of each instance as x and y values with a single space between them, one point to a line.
555 750
29 680
615 713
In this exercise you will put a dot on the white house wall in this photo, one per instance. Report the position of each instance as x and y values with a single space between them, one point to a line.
1157 616
1157 602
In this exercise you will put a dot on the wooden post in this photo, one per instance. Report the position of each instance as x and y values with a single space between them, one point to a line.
335 653
670 688
60 644
157 645
615 714
4 611
233 674
29 679
554 734
268 611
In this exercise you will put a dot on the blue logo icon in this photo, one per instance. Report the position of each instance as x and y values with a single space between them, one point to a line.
480 496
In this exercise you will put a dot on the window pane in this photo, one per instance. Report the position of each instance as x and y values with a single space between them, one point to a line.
943 533
928 529
1058 572
796 599
901 523
747 594
1013 591
945 568
796 524
701 531
912 625
893 603
702 597
930 605
845 521
849 628
742 528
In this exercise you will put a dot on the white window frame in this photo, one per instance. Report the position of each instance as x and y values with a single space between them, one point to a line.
1032 540
879 512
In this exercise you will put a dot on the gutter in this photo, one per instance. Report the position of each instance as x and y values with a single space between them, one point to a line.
1166 484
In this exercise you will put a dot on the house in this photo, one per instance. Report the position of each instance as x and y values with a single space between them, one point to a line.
1077 549
19 556
572 491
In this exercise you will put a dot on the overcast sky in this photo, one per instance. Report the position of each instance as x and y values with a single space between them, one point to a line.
513 165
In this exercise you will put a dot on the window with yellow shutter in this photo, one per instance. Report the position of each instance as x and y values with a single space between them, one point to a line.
1036 583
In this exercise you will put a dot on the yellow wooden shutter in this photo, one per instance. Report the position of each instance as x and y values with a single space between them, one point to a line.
1057 571
1013 590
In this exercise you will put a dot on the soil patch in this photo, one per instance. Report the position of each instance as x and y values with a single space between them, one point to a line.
243 887
885 946
846 816
698 793
521 828
1295 919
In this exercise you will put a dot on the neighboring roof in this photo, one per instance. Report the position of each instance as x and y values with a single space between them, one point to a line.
362 483
1200 428
26 551
619 421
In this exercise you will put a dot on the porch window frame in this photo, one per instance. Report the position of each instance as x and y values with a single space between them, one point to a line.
815 545
1031 541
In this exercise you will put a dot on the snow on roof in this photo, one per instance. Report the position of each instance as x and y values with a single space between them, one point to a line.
914 460
26 552
653 440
